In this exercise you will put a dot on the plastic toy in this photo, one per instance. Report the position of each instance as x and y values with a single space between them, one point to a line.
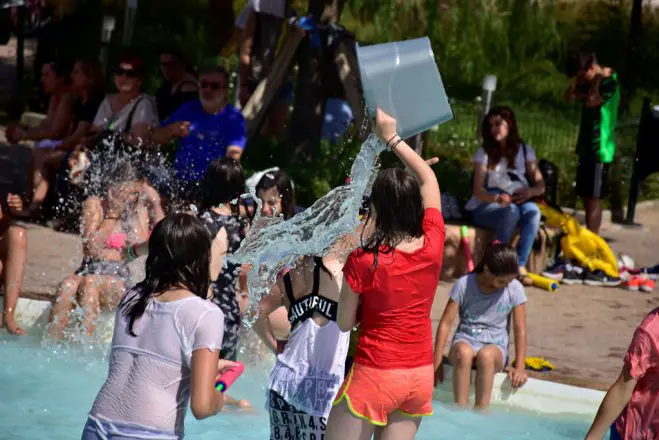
226 379
543 282
580 244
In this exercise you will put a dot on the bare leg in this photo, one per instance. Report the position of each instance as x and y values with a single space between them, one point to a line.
489 360
64 304
342 425
14 244
461 357
401 427
111 291
593 214
90 300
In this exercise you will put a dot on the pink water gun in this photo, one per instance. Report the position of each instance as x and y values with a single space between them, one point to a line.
464 241
228 377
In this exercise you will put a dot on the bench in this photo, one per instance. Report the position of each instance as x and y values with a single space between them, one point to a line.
454 264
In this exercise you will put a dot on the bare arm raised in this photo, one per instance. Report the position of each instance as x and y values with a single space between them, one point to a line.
385 126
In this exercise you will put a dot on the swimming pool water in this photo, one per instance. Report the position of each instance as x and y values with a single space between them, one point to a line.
46 394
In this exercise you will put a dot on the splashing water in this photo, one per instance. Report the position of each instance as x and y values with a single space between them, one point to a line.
273 244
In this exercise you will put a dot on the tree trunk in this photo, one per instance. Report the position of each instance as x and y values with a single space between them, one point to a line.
310 96
222 20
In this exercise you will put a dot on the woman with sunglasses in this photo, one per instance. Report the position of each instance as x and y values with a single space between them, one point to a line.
120 132
209 128
129 110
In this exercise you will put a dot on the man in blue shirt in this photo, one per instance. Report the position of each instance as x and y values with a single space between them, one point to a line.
208 128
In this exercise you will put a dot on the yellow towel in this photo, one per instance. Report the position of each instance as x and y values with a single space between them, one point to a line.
538 364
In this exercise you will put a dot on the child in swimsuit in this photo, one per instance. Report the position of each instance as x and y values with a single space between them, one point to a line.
109 226
392 280
485 300
632 402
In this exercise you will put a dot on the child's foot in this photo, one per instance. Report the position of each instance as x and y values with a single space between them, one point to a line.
244 404
9 323
524 277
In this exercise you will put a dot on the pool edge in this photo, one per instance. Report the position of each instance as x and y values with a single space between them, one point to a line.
536 395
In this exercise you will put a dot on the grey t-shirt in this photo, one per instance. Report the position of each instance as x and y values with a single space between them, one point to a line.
484 317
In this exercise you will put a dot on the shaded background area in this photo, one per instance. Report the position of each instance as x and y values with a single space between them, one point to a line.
524 43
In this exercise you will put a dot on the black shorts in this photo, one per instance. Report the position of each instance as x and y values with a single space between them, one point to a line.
592 179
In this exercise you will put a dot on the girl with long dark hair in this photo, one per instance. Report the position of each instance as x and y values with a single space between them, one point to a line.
221 202
222 188
391 279
166 342
485 300
506 179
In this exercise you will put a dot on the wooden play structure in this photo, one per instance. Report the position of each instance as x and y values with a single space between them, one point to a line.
343 59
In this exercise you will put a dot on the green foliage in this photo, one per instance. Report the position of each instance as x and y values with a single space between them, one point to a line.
524 42
313 179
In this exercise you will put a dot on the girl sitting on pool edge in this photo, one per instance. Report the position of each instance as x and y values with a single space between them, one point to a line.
485 300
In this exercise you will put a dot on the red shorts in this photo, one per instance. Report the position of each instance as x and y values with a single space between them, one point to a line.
372 394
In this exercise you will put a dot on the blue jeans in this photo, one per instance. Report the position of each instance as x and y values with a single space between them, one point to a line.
505 219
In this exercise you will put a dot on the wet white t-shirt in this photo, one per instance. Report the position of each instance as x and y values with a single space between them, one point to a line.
149 379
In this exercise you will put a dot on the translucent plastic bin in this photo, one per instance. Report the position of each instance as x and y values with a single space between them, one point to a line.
403 80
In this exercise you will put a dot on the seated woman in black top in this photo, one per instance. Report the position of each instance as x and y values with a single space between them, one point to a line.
87 84
179 85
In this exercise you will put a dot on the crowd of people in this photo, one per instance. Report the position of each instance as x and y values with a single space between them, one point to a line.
341 325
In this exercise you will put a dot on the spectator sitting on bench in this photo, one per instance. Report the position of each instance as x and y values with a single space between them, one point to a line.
87 83
506 179
55 81
208 127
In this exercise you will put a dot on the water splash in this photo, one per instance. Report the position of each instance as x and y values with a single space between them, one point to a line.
274 244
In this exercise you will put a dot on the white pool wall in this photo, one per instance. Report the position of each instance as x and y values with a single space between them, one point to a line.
536 395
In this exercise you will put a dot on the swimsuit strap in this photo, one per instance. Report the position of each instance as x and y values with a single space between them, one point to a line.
288 287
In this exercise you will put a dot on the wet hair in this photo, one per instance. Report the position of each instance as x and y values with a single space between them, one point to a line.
580 61
136 62
179 257
223 183
500 259
216 70
122 171
283 183
396 199
513 141
93 70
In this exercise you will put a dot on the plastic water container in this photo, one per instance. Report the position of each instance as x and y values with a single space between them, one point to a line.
402 79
